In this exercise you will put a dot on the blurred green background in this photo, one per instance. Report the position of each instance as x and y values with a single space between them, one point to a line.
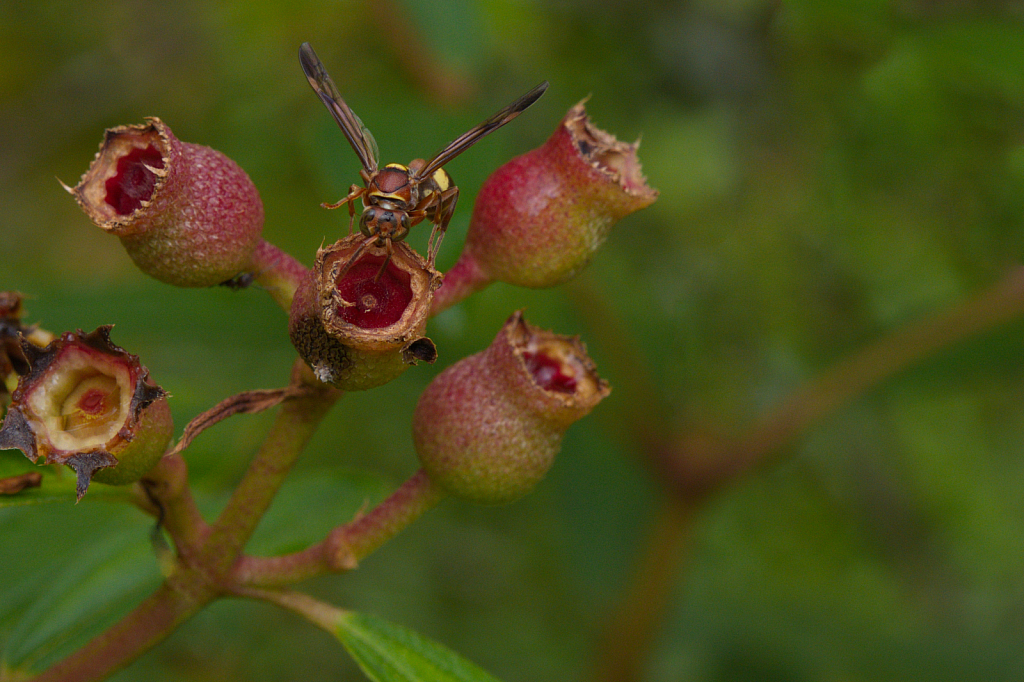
829 171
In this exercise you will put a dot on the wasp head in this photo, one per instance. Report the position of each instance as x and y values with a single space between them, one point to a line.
385 223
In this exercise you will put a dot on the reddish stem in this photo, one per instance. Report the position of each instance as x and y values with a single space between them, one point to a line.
205 553
294 426
321 614
633 626
167 491
278 272
147 624
464 279
346 545
838 385
639 615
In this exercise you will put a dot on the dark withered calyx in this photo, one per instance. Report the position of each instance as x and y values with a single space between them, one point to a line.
89 404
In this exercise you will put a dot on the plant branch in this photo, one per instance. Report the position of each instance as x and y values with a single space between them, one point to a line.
464 279
346 545
844 381
145 626
694 468
167 495
319 613
637 619
295 425
204 553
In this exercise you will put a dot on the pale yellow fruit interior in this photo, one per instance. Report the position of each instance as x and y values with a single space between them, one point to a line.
54 402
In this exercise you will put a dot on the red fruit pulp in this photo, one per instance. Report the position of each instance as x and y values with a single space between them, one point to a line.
378 303
549 373
93 402
133 182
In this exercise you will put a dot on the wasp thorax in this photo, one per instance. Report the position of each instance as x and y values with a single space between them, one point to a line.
393 183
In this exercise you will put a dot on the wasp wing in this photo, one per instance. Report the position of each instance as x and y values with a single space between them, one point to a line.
468 139
358 136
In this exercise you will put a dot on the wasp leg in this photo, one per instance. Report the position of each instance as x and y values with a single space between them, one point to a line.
391 252
354 192
354 257
442 216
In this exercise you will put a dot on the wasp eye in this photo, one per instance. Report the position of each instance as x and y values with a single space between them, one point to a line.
365 221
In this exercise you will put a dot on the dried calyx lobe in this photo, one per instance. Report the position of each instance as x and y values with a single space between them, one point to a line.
12 359
359 326
90 405
12 334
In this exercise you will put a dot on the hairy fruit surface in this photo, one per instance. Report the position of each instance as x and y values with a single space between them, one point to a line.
488 428
540 217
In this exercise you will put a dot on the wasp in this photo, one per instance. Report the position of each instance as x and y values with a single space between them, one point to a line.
397 197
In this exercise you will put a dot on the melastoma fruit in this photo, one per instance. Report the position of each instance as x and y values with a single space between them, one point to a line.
540 217
89 404
359 325
487 428
186 214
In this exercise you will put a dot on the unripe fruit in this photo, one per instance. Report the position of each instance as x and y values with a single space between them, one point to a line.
487 428
89 404
361 326
186 214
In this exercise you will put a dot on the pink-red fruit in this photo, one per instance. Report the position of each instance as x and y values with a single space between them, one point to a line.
540 217
186 214
89 404
487 428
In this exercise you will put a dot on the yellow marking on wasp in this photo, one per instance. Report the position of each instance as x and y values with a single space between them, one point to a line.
442 179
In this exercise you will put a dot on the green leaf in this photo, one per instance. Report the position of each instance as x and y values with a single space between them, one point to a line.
391 653
92 576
